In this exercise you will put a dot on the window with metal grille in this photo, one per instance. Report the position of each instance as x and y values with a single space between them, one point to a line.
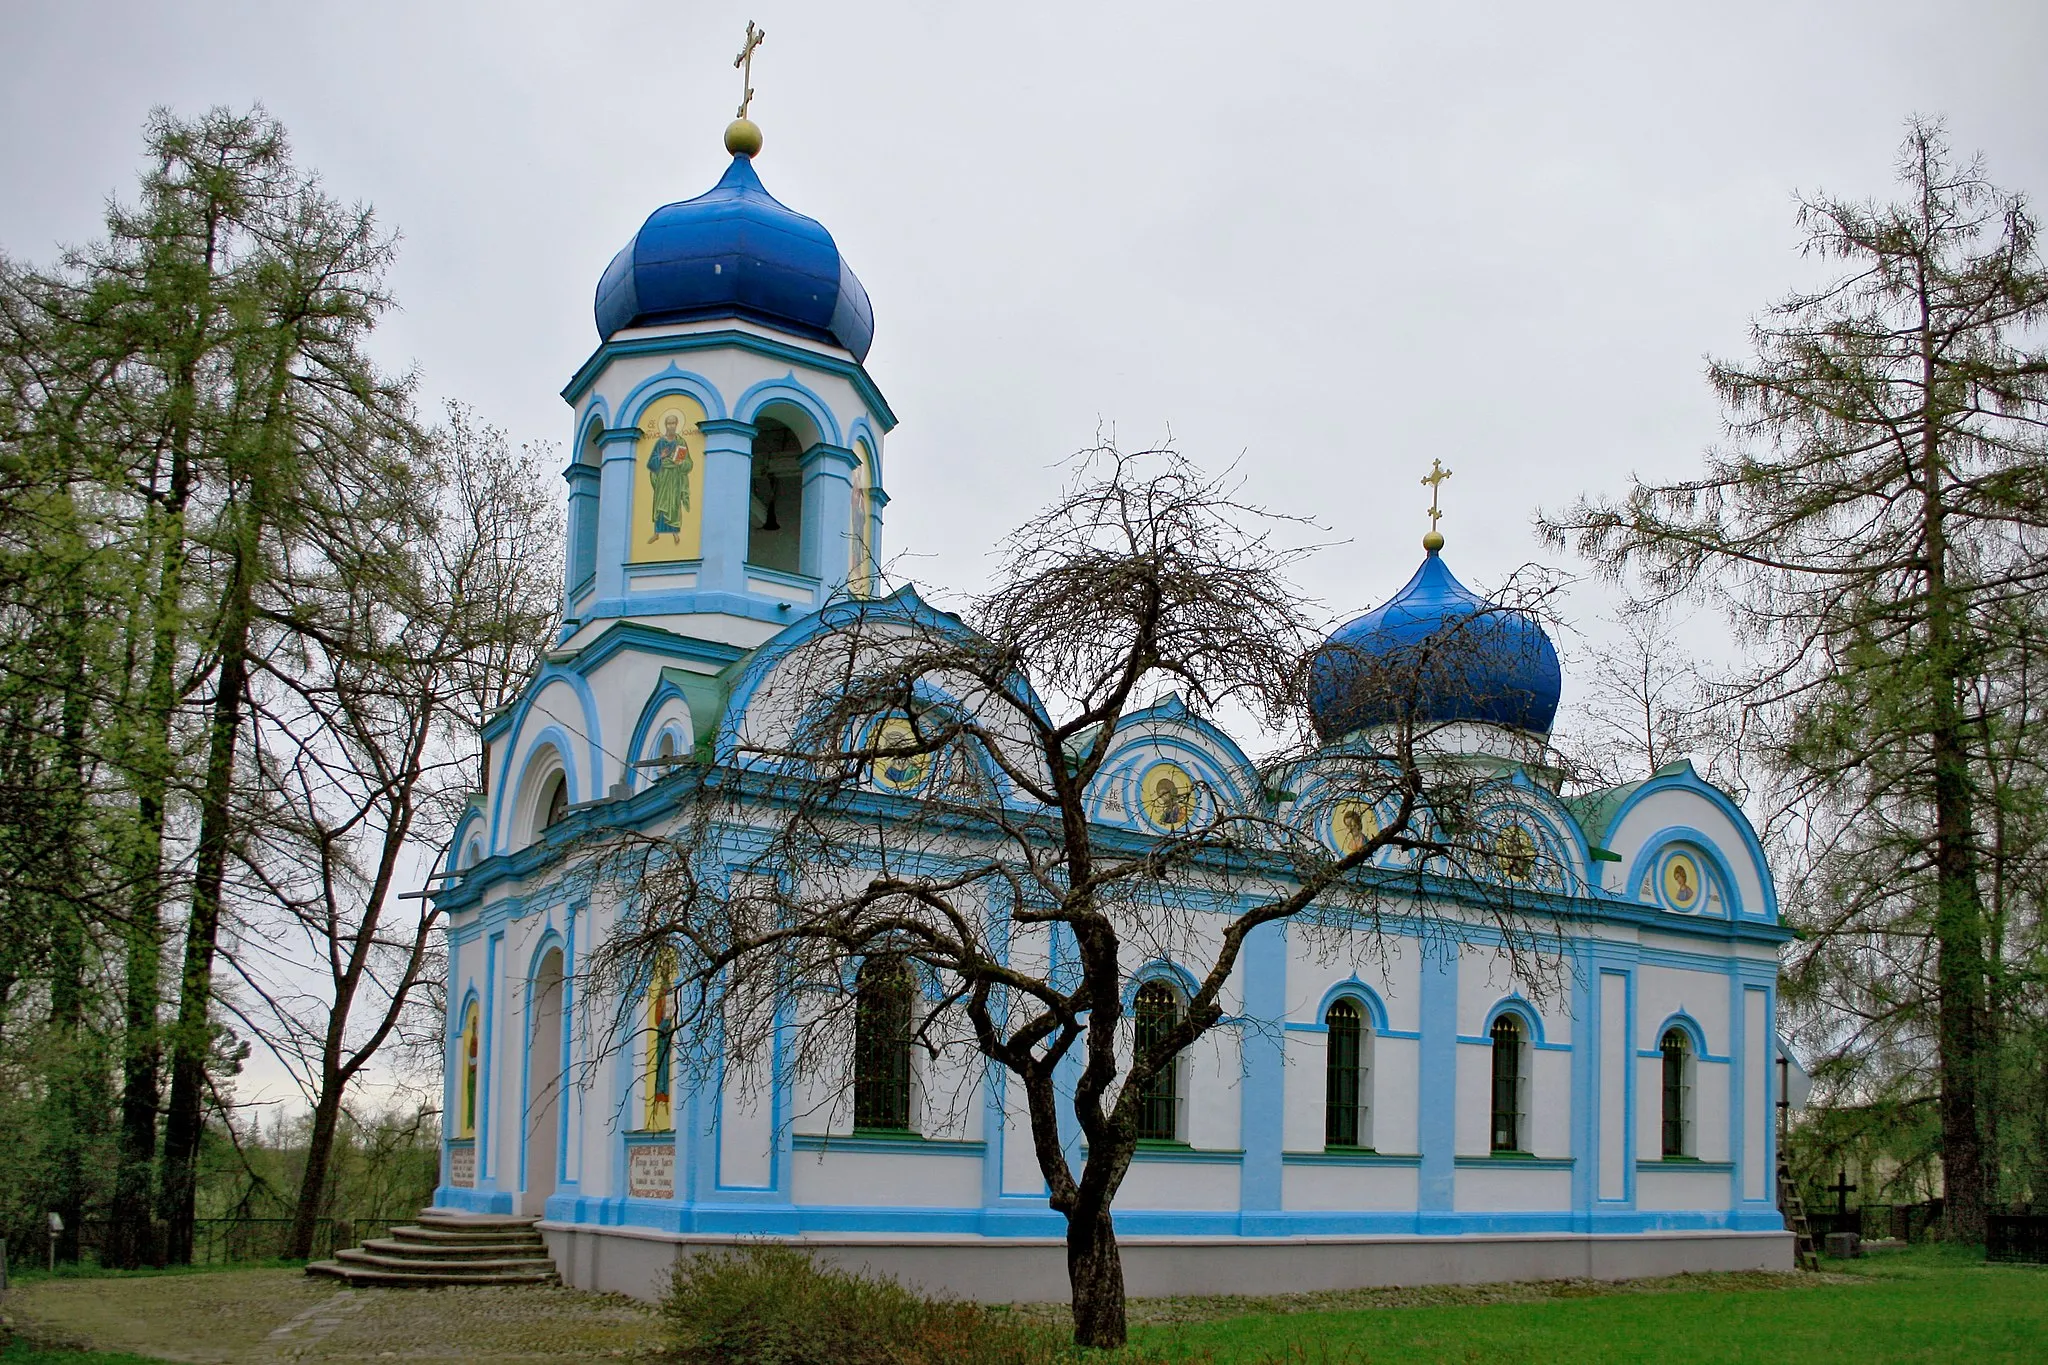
1677 1094
881 1044
1344 1077
1507 1084
1155 1011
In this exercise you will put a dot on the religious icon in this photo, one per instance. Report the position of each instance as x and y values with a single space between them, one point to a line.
1168 795
1682 881
466 1125
661 1035
899 772
1351 824
1515 853
668 471
669 483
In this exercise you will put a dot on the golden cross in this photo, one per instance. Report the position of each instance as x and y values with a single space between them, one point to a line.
1435 478
746 59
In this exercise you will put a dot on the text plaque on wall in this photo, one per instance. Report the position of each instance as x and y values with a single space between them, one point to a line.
651 1170
462 1167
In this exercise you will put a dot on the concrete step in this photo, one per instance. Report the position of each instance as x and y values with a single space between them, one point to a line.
357 1256
393 1279
436 1251
447 1221
437 1236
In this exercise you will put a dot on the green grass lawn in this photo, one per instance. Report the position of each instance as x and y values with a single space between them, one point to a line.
1922 1304
21 1353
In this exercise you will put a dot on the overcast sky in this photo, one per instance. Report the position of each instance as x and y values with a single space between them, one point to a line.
1335 241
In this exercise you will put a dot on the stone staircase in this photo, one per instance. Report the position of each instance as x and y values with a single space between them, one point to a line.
444 1248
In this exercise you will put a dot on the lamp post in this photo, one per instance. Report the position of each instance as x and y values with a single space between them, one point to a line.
56 1230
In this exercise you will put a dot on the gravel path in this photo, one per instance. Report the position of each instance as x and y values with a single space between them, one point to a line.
269 1317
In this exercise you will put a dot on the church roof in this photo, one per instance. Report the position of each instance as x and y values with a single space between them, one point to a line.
735 251
1439 652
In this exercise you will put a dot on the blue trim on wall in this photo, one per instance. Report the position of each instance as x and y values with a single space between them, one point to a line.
1436 1122
1262 1112
1351 988
587 373
793 392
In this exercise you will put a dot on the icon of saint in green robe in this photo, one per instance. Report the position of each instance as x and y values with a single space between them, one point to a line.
668 473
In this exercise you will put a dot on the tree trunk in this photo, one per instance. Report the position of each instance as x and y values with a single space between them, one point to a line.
1095 1270
131 1233
192 1039
313 1184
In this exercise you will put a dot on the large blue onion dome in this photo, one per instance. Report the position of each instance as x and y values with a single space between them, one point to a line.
1437 652
735 252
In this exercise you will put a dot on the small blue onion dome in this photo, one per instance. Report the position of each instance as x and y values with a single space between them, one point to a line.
1437 652
734 251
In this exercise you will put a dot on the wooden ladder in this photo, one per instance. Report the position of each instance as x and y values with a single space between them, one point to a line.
1804 1253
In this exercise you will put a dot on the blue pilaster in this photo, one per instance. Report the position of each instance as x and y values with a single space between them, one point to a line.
827 550
615 494
1262 1123
585 481
1437 1098
728 478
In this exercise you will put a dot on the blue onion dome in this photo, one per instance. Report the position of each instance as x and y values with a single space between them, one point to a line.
735 252
1440 653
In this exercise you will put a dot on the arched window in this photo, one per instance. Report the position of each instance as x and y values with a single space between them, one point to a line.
554 803
884 1002
775 514
1155 1011
659 1115
465 1102
1347 1069
1677 1093
1509 1068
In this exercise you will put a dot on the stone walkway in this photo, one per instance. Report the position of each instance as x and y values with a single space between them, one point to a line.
269 1317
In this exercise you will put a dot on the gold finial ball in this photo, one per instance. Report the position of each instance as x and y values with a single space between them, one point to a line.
1433 541
743 137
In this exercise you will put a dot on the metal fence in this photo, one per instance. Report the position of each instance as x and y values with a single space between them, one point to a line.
2016 1237
224 1241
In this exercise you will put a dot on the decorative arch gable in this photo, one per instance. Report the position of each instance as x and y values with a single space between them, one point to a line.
1170 769
1532 837
758 706
1677 797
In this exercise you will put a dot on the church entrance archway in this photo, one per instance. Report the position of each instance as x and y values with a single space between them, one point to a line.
543 1085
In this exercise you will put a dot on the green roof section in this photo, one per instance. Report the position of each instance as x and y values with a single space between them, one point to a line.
1595 810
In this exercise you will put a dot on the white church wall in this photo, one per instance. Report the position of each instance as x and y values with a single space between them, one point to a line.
1395 1084
1179 1184
1664 1190
1509 1191
884 1180
1616 1067
1551 1103
746 1124
1349 1188
1214 1078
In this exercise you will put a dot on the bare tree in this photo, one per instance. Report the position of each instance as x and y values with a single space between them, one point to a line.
910 800
367 723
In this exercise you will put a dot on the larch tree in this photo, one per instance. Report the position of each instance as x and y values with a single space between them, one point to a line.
1878 510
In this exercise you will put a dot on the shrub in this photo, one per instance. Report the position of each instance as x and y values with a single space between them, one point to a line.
766 1304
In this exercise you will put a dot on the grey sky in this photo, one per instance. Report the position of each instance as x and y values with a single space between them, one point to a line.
1338 240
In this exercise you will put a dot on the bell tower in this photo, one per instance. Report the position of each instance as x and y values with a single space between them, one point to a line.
727 477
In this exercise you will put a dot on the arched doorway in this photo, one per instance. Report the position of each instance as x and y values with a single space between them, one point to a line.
543 1085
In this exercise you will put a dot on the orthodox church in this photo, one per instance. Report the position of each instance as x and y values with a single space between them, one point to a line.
1423 1119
